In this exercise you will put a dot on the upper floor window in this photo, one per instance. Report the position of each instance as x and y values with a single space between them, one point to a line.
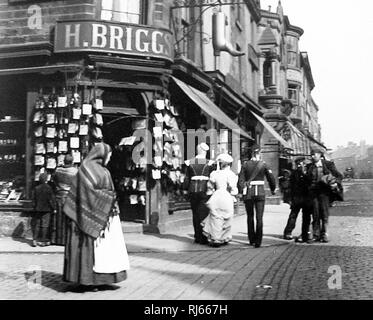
186 32
122 10
292 52
267 74
293 94
158 10
293 59
238 9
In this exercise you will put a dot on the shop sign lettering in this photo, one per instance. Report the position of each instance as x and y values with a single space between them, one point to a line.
116 38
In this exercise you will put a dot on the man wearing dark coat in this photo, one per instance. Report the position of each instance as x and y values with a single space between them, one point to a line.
300 200
251 186
320 193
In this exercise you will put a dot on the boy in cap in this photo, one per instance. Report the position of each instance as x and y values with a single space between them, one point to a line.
197 176
44 206
251 186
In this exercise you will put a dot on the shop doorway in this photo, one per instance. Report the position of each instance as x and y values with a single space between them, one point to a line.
120 114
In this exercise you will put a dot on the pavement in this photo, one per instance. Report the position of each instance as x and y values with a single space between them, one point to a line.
181 240
172 267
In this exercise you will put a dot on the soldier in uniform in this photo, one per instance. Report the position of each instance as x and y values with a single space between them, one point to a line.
196 182
300 200
251 186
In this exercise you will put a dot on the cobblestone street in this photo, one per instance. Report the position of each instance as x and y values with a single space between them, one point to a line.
171 267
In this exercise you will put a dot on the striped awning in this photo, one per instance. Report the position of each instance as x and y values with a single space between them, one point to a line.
300 143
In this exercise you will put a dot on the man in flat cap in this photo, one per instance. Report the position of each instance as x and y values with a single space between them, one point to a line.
317 174
251 186
196 180
300 200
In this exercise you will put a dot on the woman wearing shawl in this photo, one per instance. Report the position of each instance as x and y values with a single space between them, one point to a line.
217 227
62 180
95 252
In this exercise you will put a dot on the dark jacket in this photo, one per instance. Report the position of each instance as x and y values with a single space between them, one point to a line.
314 180
44 199
264 172
201 168
334 171
299 184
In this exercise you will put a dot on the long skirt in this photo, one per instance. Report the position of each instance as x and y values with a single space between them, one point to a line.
217 227
79 259
59 223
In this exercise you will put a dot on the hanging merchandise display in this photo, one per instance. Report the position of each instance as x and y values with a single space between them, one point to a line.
98 104
61 127
87 109
167 157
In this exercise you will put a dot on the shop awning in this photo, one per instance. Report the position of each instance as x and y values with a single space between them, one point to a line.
317 144
273 132
299 141
201 100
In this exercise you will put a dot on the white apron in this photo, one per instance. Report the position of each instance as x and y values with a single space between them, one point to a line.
110 252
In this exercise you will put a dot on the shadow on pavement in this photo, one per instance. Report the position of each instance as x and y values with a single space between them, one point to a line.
46 279
185 239
22 240
54 281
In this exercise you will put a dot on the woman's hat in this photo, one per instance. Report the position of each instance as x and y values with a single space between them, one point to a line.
225 158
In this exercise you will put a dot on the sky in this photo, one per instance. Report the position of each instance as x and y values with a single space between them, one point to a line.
338 36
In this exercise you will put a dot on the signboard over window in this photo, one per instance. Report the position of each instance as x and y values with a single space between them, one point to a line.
118 38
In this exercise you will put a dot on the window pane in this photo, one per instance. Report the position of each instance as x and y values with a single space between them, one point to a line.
292 59
107 7
121 10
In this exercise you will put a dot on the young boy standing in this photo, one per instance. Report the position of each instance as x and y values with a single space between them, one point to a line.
44 206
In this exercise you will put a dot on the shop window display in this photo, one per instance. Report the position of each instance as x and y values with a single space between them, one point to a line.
12 141
12 160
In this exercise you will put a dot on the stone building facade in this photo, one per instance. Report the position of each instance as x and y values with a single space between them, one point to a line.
77 72
285 91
